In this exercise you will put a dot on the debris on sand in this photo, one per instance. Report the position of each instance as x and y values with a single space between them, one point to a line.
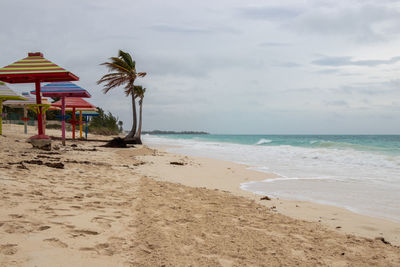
116 142
383 240
265 198
57 165
177 163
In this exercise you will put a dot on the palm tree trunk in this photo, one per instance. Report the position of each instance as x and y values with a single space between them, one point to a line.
139 132
131 134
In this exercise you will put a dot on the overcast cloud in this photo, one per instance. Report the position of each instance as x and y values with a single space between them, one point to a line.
227 66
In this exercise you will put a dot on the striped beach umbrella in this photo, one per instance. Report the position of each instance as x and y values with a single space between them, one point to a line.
35 69
6 94
76 104
64 90
29 101
87 113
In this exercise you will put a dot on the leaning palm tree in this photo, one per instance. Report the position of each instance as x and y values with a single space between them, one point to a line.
139 92
123 72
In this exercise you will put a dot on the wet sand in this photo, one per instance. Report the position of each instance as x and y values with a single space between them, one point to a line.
85 205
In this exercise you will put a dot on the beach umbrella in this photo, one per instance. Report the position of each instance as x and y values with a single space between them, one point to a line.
6 94
73 104
87 114
29 101
63 90
35 69
80 111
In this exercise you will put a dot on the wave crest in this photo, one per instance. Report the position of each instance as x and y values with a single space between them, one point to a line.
263 141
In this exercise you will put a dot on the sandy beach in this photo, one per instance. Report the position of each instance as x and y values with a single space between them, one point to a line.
86 205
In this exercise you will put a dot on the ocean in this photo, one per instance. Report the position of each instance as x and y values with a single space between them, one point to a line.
357 172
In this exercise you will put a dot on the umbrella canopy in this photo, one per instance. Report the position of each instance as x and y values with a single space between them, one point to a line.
29 101
6 94
35 69
63 89
84 110
73 102
86 113
21 103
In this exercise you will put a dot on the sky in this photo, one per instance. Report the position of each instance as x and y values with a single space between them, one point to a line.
226 66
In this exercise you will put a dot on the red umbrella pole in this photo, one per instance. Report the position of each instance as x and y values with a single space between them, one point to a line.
39 114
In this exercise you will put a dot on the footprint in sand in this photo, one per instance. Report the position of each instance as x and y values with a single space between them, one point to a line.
76 233
56 242
103 222
44 227
8 249
16 216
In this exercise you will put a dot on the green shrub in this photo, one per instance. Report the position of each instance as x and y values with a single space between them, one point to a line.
104 124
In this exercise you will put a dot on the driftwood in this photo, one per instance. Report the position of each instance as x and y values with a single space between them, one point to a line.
177 163
116 142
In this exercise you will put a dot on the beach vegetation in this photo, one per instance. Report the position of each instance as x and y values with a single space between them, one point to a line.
122 72
104 124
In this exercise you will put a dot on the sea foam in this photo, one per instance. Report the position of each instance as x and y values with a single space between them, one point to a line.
263 141
346 175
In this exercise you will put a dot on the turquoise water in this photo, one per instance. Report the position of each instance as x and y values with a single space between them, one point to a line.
358 172
387 144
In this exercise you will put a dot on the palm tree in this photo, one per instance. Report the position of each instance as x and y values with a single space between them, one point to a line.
139 92
123 72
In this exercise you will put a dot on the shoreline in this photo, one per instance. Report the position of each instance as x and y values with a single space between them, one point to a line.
87 205
358 174
336 218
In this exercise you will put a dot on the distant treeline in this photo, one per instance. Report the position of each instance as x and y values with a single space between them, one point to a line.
172 132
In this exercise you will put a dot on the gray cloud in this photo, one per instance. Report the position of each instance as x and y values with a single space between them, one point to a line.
179 29
269 13
340 103
359 22
274 44
216 67
328 71
170 28
348 61
287 65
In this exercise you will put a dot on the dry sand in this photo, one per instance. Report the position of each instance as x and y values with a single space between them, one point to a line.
118 207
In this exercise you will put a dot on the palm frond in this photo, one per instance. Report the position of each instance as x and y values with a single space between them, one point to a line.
128 91
112 83
112 76
122 72
121 62
116 66
126 57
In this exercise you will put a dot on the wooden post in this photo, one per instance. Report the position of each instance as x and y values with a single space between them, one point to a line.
73 123
1 116
80 124
63 119
25 121
39 115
